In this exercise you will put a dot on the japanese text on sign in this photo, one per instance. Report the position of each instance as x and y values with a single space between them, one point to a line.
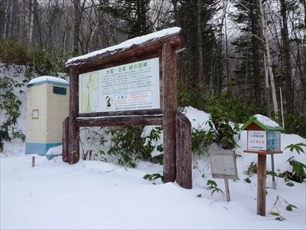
133 86
257 140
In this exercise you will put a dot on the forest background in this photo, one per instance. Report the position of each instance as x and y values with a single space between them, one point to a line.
242 57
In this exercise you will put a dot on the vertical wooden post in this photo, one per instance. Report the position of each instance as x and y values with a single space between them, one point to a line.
74 148
33 161
65 138
90 154
169 107
183 151
261 185
227 192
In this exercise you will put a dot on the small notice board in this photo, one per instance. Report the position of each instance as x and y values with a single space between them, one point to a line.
223 165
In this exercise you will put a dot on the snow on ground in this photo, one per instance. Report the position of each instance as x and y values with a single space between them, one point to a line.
99 195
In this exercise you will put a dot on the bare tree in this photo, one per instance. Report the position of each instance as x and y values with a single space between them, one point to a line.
29 21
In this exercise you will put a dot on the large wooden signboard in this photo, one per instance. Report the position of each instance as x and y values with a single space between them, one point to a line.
133 83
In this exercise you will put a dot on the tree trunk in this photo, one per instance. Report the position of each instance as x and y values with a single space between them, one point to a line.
6 17
201 79
265 32
77 21
29 22
285 54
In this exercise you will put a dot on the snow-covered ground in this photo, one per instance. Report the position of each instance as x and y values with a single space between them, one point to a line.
100 195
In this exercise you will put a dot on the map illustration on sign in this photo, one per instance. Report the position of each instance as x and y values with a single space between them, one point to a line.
89 85
133 86
274 141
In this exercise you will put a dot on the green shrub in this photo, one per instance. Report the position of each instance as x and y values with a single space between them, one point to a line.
38 61
45 63
200 141
295 123
12 51
298 168
10 103
228 107
127 145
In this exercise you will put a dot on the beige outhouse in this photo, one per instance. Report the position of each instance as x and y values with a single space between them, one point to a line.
47 107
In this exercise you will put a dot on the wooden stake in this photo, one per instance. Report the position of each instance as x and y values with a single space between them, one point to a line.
65 140
90 154
33 161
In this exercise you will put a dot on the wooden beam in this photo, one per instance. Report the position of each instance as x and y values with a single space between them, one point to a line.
119 121
74 148
148 48
122 113
170 108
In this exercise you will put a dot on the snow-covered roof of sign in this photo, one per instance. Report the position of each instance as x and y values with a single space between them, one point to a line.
263 122
129 43
48 80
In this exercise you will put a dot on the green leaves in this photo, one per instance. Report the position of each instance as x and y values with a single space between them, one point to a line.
295 123
290 206
153 177
251 169
298 168
274 210
10 103
297 147
213 186
128 145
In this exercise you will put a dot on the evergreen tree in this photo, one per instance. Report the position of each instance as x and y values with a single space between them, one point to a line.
195 64
134 14
286 73
249 51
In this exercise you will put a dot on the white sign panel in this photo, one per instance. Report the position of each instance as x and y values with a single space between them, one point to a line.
134 86
257 140
223 164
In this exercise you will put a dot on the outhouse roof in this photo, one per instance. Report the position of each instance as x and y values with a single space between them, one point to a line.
47 80
263 122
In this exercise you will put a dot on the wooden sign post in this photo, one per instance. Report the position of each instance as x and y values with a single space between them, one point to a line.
263 139
130 84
